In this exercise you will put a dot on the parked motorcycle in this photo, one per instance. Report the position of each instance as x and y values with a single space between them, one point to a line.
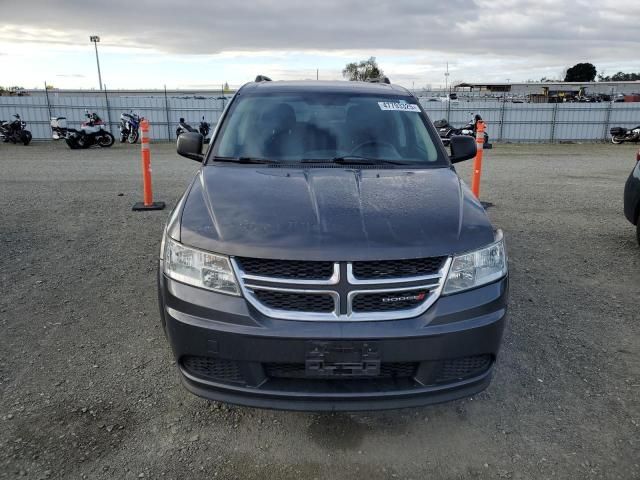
621 134
15 131
92 132
130 127
446 130
204 128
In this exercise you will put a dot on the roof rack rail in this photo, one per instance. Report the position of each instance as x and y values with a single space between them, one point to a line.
262 78
383 79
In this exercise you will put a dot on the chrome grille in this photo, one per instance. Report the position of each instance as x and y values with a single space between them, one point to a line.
333 292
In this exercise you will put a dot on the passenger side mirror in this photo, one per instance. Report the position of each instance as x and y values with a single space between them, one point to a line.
190 146
463 147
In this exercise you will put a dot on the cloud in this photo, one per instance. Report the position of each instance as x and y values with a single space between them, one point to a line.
574 30
153 42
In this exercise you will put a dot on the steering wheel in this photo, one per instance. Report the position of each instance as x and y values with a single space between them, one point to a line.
373 142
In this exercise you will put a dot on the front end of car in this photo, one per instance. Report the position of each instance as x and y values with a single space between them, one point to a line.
333 335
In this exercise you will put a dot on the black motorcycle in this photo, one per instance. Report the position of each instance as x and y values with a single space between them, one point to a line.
204 128
621 134
15 131
446 130
92 132
130 127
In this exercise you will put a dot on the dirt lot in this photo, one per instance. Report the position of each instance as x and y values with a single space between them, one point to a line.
88 388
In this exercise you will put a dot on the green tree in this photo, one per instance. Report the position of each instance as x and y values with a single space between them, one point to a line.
619 77
581 72
362 71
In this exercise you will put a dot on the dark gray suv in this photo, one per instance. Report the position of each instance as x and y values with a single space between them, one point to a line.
326 256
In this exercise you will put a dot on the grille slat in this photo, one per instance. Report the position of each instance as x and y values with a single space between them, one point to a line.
213 368
388 301
296 301
384 269
464 367
292 269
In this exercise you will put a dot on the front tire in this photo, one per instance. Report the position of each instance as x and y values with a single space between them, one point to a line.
133 137
106 140
26 137
73 145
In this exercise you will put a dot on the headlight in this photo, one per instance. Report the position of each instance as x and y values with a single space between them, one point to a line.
477 268
199 268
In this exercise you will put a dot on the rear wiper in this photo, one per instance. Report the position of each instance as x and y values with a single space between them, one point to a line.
354 160
243 160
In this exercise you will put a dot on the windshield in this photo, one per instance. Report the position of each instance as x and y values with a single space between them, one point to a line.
319 126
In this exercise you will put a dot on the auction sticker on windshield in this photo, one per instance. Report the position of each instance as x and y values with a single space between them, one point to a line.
400 107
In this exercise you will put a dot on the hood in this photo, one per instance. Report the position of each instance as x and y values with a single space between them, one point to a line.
332 213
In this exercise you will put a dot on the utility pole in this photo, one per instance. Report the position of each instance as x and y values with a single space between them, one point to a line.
95 39
446 78
317 73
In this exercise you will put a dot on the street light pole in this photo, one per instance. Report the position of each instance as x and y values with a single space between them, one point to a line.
446 78
95 39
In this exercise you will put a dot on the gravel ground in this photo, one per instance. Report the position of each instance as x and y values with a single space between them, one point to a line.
88 388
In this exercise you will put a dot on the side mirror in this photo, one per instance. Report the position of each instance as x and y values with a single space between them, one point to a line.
190 146
463 147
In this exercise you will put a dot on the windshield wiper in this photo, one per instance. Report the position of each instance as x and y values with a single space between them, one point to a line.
354 160
243 160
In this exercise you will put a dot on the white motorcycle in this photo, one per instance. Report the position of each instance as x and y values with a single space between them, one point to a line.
93 132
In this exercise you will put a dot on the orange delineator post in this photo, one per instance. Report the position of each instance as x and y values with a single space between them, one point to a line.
477 162
147 203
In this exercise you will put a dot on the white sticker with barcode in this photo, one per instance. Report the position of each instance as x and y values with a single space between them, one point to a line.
399 107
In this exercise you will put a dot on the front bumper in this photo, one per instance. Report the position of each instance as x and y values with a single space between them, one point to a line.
227 351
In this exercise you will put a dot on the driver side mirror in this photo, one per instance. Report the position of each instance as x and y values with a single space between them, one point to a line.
190 146
463 148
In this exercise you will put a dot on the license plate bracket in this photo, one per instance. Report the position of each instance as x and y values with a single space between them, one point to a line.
337 359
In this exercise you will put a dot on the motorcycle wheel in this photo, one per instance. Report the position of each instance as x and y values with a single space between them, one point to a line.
133 137
617 140
73 145
26 137
84 141
106 140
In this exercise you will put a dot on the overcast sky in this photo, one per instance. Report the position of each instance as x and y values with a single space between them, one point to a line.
150 43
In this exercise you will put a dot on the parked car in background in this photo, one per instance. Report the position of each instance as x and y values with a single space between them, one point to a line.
450 97
632 197
327 256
